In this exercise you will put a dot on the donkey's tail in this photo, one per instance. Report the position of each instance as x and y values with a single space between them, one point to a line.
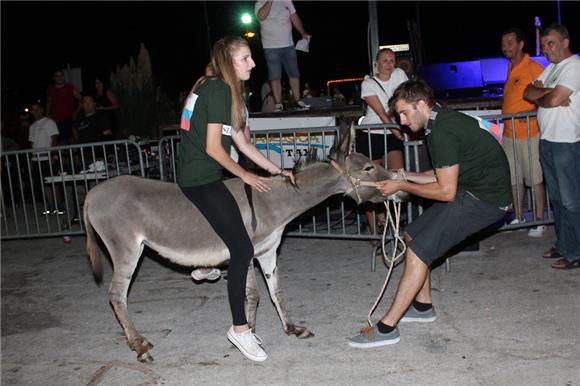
93 248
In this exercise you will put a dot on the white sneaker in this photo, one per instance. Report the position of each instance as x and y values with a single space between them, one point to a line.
200 274
278 108
302 105
248 343
537 231
515 221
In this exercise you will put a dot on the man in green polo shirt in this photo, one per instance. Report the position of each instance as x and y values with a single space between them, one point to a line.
471 185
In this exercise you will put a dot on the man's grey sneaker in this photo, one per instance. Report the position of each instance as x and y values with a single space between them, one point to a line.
371 337
278 108
248 343
414 315
200 274
537 231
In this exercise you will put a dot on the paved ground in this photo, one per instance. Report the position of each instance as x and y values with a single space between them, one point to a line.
505 318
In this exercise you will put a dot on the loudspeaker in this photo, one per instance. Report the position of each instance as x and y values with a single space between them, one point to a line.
406 63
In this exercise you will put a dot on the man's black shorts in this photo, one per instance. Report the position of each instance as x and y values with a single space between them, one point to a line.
446 224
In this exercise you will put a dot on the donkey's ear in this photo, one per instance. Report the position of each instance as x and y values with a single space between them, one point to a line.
347 139
345 143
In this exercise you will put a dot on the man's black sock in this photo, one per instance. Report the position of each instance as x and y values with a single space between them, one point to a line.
384 328
421 307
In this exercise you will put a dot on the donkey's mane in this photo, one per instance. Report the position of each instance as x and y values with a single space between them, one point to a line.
306 163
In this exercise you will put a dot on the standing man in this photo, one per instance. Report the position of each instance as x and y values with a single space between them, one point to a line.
276 21
522 70
43 133
471 185
557 94
60 105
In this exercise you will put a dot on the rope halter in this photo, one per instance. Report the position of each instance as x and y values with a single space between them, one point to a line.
355 182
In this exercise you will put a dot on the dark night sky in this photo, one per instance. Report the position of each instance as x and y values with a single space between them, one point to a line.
97 36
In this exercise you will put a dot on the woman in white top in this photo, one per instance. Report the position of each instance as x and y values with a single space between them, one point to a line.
376 91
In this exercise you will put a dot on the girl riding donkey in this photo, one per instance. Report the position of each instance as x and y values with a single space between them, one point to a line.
214 115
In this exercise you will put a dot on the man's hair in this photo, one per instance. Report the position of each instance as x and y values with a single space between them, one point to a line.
557 27
413 91
37 103
89 94
517 31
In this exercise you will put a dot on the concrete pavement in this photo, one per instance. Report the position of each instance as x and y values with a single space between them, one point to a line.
504 318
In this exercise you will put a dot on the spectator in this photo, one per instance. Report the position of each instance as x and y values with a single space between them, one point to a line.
471 185
43 133
60 106
557 94
276 21
216 116
108 104
522 70
376 91
91 126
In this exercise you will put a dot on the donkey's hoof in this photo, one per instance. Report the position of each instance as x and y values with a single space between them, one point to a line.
304 333
301 332
145 357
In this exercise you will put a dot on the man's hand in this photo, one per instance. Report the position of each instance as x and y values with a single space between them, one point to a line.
388 187
538 84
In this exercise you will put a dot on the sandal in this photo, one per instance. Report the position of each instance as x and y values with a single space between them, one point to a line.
552 253
566 264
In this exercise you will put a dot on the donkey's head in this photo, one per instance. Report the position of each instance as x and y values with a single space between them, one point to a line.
358 170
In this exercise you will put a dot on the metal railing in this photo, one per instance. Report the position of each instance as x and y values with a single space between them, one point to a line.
27 209
43 189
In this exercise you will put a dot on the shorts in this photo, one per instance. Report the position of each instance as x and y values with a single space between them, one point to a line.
446 224
523 162
278 57
377 149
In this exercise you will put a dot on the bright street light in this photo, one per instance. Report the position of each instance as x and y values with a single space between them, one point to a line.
246 18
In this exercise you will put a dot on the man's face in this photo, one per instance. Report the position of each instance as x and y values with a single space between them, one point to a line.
37 112
510 46
414 115
554 46
58 77
88 104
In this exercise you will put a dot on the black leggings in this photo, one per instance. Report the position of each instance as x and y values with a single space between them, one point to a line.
220 209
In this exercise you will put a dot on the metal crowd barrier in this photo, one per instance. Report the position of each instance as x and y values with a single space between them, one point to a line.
43 190
27 211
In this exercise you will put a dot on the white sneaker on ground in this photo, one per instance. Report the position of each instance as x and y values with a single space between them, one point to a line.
537 231
248 343
515 221
278 108
201 274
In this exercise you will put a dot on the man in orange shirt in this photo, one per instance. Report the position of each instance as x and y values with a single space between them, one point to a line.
522 71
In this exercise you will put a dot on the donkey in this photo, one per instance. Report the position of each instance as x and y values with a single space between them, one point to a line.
117 209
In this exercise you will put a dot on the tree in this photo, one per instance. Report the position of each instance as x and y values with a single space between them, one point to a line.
141 102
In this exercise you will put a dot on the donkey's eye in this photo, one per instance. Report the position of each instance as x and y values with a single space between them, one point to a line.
368 168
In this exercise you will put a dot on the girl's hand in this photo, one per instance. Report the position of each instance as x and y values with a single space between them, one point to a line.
259 183
288 173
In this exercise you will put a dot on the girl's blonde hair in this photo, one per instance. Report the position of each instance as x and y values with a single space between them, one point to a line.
223 68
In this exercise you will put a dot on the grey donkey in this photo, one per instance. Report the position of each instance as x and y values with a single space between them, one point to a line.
130 212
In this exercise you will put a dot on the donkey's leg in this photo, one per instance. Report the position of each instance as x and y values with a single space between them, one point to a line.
268 265
125 261
252 296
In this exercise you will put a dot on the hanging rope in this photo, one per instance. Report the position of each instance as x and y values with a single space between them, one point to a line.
390 260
